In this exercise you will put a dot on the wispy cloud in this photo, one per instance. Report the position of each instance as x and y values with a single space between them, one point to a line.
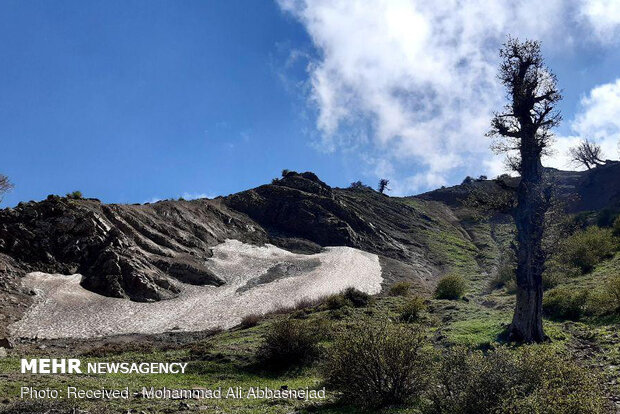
598 120
419 78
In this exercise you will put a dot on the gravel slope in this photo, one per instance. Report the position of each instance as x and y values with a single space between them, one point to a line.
64 309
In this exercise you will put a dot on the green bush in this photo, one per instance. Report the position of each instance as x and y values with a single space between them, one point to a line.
451 286
612 288
336 301
506 269
400 289
75 195
586 248
412 309
377 363
288 343
531 379
616 228
358 298
551 278
565 303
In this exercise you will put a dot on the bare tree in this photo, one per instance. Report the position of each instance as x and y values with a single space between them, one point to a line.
5 185
383 185
523 129
586 153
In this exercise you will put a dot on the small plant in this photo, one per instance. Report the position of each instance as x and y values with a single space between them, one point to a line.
358 298
412 309
451 286
400 289
377 363
565 303
75 195
336 301
250 320
288 343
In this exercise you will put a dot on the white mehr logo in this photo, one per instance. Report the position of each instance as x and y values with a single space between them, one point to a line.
51 366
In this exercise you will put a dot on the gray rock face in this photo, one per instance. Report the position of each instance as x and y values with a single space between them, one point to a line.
124 251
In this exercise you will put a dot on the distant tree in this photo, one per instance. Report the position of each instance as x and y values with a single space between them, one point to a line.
586 153
357 185
482 178
467 180
383 185
5 185
286 172
524 128
76 195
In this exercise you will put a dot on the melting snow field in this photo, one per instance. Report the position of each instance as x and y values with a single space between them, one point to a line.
258 280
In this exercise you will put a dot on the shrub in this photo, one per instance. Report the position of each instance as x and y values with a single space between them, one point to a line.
288 343
505 269
76 195
532 379
612 288
376 363
250 320
451 286
200 350
586 248
336 301
551 278
565 303
616 228
600 302
307 303
400 289
412 309
358 298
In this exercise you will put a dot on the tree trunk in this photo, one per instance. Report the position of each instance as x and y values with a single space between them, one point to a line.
529 219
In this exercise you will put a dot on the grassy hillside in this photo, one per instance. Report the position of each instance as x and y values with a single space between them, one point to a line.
228 358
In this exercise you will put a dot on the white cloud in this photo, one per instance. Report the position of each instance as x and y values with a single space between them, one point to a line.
195 196
185 196
603 17
421 74
600 115
598 120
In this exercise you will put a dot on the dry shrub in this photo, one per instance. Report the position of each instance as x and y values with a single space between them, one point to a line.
251 320
400 289
358 298
565 303
336 301
288 343
412 309
115 348
532 379
377 363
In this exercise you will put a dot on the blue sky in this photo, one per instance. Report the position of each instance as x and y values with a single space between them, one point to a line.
130 101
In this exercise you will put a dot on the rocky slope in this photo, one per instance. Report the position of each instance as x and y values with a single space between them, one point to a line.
143 252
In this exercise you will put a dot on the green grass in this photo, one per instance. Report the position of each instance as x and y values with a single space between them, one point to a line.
476 323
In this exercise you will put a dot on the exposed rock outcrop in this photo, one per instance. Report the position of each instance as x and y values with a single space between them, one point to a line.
132 251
